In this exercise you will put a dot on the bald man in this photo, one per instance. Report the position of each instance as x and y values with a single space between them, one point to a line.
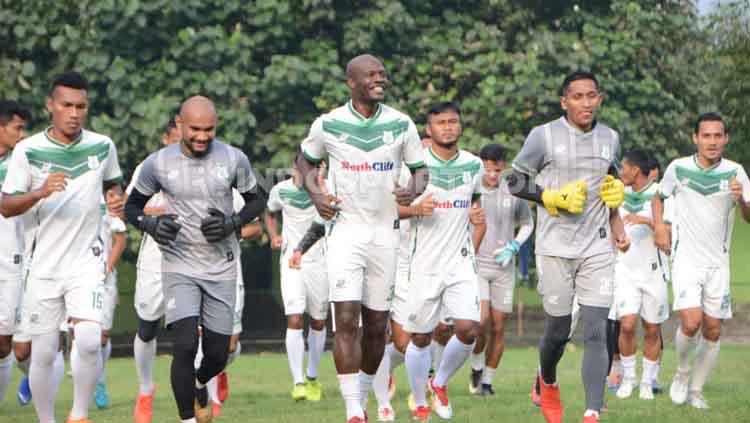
199 241
366 142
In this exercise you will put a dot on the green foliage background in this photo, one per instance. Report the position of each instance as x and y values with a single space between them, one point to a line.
273 65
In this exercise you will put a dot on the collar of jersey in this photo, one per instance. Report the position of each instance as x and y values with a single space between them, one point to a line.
60 144
367 121
705 169
444 162
576 129
645 188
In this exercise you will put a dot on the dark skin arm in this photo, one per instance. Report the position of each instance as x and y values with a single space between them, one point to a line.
326 204
420 177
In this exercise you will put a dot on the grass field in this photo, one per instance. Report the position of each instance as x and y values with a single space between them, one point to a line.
259 392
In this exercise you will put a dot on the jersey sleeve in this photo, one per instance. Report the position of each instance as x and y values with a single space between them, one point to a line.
147 182
314 146
274 200
116 225
245 179
413 153
237 201
531 158
668 183
616 152
18 176
112 172
136 173
745 182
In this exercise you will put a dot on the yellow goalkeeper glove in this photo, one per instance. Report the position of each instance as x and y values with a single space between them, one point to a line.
571 197
612 192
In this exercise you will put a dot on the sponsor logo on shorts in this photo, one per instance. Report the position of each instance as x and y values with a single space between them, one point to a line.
34 318
340 283
553 299
725 301
413 317
367 167
171 304
455 204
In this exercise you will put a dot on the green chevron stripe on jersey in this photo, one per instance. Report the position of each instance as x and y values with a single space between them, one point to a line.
634 201
449 177
4 167
705 182
295 198
366 136
74 160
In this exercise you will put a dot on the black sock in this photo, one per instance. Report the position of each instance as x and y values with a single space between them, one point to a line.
594 367
183 373
215 355
552 345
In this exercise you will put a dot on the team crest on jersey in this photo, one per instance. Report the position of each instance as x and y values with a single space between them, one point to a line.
222 171
387 137
93 162
467 177
46 167
506 202
560 149
724 185
343 137
605 152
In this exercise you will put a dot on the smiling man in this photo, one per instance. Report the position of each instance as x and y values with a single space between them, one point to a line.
706 189
199 237
366 141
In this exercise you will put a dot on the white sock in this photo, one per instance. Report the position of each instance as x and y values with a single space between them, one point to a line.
649 367
418 370
58 370
199 354
316 343
365 386
437 354
295 352
684 345
350 391
106 353
477 361
617 365
87 367
628 366
455 355
705 358
591 413
233 356
190 420
145 354
380 383
657 368
43 353
6 371
213 390
23 366
395 356
487 375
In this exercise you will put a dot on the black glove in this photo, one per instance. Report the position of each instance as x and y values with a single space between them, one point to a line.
163 229
218 226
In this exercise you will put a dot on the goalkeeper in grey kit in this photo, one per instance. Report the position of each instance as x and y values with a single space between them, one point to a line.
199 240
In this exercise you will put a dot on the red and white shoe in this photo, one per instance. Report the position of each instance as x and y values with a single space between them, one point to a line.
552 408
386 414
421 414
215 408
440 402
144 407
222 386
356 419
591 419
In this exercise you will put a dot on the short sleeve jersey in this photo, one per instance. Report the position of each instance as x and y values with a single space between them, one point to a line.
11 244
297 214
503 213
110 225
442 240
65 225
365 160
641 259
702 209
555 154
190 186
404 228
149 254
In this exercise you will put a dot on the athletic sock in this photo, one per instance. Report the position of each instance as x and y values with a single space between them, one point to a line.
295 352
455 355
418 369
145 355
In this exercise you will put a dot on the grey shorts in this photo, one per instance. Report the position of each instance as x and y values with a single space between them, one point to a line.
590 278
496 286
211 301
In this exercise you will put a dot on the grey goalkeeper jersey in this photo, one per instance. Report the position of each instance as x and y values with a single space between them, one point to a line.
190 187
557 153
503 212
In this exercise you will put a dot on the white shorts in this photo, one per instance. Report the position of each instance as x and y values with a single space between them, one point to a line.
306 289
47 303
239 306
497 286
400 305
149 295
10 303
111 299
645 295
361 270
442 297
702 287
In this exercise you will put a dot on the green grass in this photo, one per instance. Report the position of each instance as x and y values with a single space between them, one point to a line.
260 384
